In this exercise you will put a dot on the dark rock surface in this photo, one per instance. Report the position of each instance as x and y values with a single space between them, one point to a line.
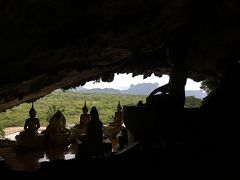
46 45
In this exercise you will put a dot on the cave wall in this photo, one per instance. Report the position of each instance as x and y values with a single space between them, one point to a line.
47 45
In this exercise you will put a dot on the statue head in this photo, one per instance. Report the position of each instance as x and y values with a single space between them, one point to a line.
119 107
32 112
94 114
85 109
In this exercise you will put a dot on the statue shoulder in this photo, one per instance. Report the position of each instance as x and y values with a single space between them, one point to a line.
36 119
85 116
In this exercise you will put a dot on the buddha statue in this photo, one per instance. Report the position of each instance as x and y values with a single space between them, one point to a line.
80 129
84 119
57 125
31 125
94 132
118 118
93 144
56 132
116 126
30 138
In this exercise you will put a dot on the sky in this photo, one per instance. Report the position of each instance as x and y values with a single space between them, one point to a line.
123 81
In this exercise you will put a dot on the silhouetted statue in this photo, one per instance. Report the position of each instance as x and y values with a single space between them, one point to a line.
57 124
56 132
84 120
30 138
94 132
92 144
118 118
32 124
116 126
85 117
79 130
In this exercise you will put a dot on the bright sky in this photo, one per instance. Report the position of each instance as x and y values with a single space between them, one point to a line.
123 81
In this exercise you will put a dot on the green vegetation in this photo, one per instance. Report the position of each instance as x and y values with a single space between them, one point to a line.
71 103
1 131
192 102
209 85
52 110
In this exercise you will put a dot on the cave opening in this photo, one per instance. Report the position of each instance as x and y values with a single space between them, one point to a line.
122 84
70 102
47 45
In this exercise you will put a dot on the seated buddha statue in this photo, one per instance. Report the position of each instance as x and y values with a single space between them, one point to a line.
116 126
30 138
118 118
57 125
79 130
56 132
31 125
84 120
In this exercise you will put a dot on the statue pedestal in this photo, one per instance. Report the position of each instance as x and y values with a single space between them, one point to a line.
30 142
59 139
86 150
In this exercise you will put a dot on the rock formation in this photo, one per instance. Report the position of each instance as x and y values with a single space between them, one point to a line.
46 45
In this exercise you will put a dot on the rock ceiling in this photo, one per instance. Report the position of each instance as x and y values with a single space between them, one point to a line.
50 44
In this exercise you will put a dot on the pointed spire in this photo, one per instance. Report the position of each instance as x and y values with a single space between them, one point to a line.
32 111
85 108
119 107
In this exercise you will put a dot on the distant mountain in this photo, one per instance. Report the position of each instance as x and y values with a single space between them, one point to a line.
138 89
141 89
196 93
80 88
105 90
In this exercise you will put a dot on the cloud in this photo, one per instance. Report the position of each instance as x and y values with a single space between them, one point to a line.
124 81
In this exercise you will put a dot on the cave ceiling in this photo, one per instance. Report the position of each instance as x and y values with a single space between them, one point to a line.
51 44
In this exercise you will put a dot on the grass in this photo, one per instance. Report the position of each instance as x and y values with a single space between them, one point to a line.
71 103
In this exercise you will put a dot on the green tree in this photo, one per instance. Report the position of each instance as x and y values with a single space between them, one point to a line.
52 110
209 85
191 102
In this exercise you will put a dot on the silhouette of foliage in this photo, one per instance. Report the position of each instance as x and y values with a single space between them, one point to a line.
52 110
209 85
